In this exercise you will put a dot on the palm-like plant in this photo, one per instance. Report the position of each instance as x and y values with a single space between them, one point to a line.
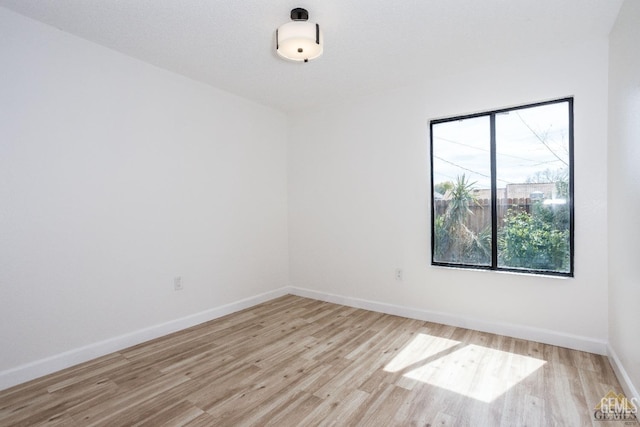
455 242
461 199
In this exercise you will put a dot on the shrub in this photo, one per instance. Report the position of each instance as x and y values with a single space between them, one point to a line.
534 241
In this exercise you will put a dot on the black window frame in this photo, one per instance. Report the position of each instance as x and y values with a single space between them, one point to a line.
494 215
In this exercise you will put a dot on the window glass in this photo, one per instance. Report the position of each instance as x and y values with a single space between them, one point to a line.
462 183
502 190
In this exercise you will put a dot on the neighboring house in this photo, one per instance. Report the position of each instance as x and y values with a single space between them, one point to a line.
534 191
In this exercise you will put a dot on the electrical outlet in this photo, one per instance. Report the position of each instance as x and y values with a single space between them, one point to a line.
177 283
399 274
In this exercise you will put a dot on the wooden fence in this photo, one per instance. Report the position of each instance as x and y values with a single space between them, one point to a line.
480 216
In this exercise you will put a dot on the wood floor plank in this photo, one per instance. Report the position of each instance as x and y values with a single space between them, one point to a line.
382 406
203 420
178 414
263 387
335 409
141 410
214 390
293 413
295 361
294 399
121 402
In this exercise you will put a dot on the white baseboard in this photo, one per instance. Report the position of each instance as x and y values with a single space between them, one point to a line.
64 360
512 330
38 368
630 391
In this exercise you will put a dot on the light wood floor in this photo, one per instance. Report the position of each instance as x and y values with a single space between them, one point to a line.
300 362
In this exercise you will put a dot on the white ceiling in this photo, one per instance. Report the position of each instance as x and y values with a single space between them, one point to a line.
370 45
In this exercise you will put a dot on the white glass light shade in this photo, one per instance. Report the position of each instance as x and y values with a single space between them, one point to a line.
299 41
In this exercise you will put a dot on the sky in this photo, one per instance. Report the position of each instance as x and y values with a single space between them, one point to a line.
527 141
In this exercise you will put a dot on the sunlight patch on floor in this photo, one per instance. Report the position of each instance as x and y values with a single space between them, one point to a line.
474 371
418 350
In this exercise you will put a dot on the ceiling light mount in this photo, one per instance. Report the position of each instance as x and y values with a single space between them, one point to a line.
299 14
299 40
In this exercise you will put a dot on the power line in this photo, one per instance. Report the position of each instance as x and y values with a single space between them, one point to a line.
469 170
541 139
487 151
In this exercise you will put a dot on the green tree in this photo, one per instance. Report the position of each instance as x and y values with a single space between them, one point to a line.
549 175
443 187
557 214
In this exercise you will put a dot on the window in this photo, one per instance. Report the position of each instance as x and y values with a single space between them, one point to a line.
502 189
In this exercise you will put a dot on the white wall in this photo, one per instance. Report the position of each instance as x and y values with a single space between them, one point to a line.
624 192
115 177
359 200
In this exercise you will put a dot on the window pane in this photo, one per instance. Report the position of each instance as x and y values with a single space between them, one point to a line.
532 171
461 163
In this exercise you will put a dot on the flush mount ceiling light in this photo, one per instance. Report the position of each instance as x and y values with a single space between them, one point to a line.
299 40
